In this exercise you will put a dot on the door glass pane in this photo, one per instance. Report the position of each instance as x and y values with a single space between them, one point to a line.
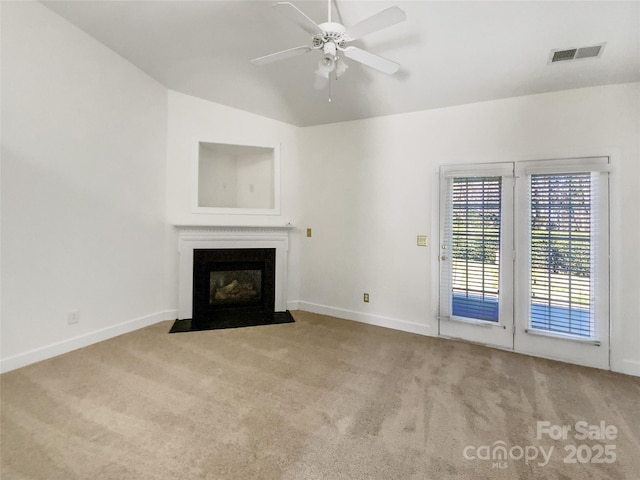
561 246
476 209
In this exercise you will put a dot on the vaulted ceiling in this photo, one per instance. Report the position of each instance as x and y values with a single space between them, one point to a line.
451 52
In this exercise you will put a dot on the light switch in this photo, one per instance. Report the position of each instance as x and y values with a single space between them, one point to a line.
423 240
308 232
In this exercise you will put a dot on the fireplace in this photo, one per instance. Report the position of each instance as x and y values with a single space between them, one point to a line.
238 280
232 276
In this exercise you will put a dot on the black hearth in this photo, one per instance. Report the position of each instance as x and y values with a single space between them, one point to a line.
233 288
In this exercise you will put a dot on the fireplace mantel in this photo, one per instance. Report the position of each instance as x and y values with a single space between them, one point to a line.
192 237
249 229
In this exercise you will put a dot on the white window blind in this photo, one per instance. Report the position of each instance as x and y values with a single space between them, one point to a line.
563 237
472 238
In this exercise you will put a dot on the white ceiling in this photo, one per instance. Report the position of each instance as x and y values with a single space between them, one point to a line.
451 52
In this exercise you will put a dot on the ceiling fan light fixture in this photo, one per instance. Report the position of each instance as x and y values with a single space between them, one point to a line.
322 73
326 65
341 67
327 62
330 48
320 81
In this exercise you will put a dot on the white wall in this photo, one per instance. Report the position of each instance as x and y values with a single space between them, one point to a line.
255 180
191 120
217 179
235 180
371 189
83 165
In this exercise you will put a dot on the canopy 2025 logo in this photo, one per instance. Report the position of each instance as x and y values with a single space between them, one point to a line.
499 453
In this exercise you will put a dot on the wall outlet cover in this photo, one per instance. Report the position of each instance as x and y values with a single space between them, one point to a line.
73 317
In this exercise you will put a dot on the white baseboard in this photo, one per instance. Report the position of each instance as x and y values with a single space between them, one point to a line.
362 317
64 346
628 367
295 305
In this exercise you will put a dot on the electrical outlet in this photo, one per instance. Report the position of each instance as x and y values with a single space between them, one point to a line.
366 298
423 240
73 317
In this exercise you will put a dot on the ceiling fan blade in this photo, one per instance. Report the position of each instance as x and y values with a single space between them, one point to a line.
299 18
380 20
371 60
274 57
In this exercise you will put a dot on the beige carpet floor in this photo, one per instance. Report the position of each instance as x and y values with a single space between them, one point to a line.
322 398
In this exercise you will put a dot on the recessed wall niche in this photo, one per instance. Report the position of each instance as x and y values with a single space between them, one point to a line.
237 179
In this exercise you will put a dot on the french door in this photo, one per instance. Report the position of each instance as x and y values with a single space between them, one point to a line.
524 257
476 267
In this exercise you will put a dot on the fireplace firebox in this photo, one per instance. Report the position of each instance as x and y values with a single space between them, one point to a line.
238 281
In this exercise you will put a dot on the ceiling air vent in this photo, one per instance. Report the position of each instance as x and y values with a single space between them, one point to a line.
567 54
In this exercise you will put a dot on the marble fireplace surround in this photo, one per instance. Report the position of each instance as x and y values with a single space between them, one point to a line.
191 237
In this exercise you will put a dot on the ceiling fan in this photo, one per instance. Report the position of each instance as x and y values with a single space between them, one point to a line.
333 38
